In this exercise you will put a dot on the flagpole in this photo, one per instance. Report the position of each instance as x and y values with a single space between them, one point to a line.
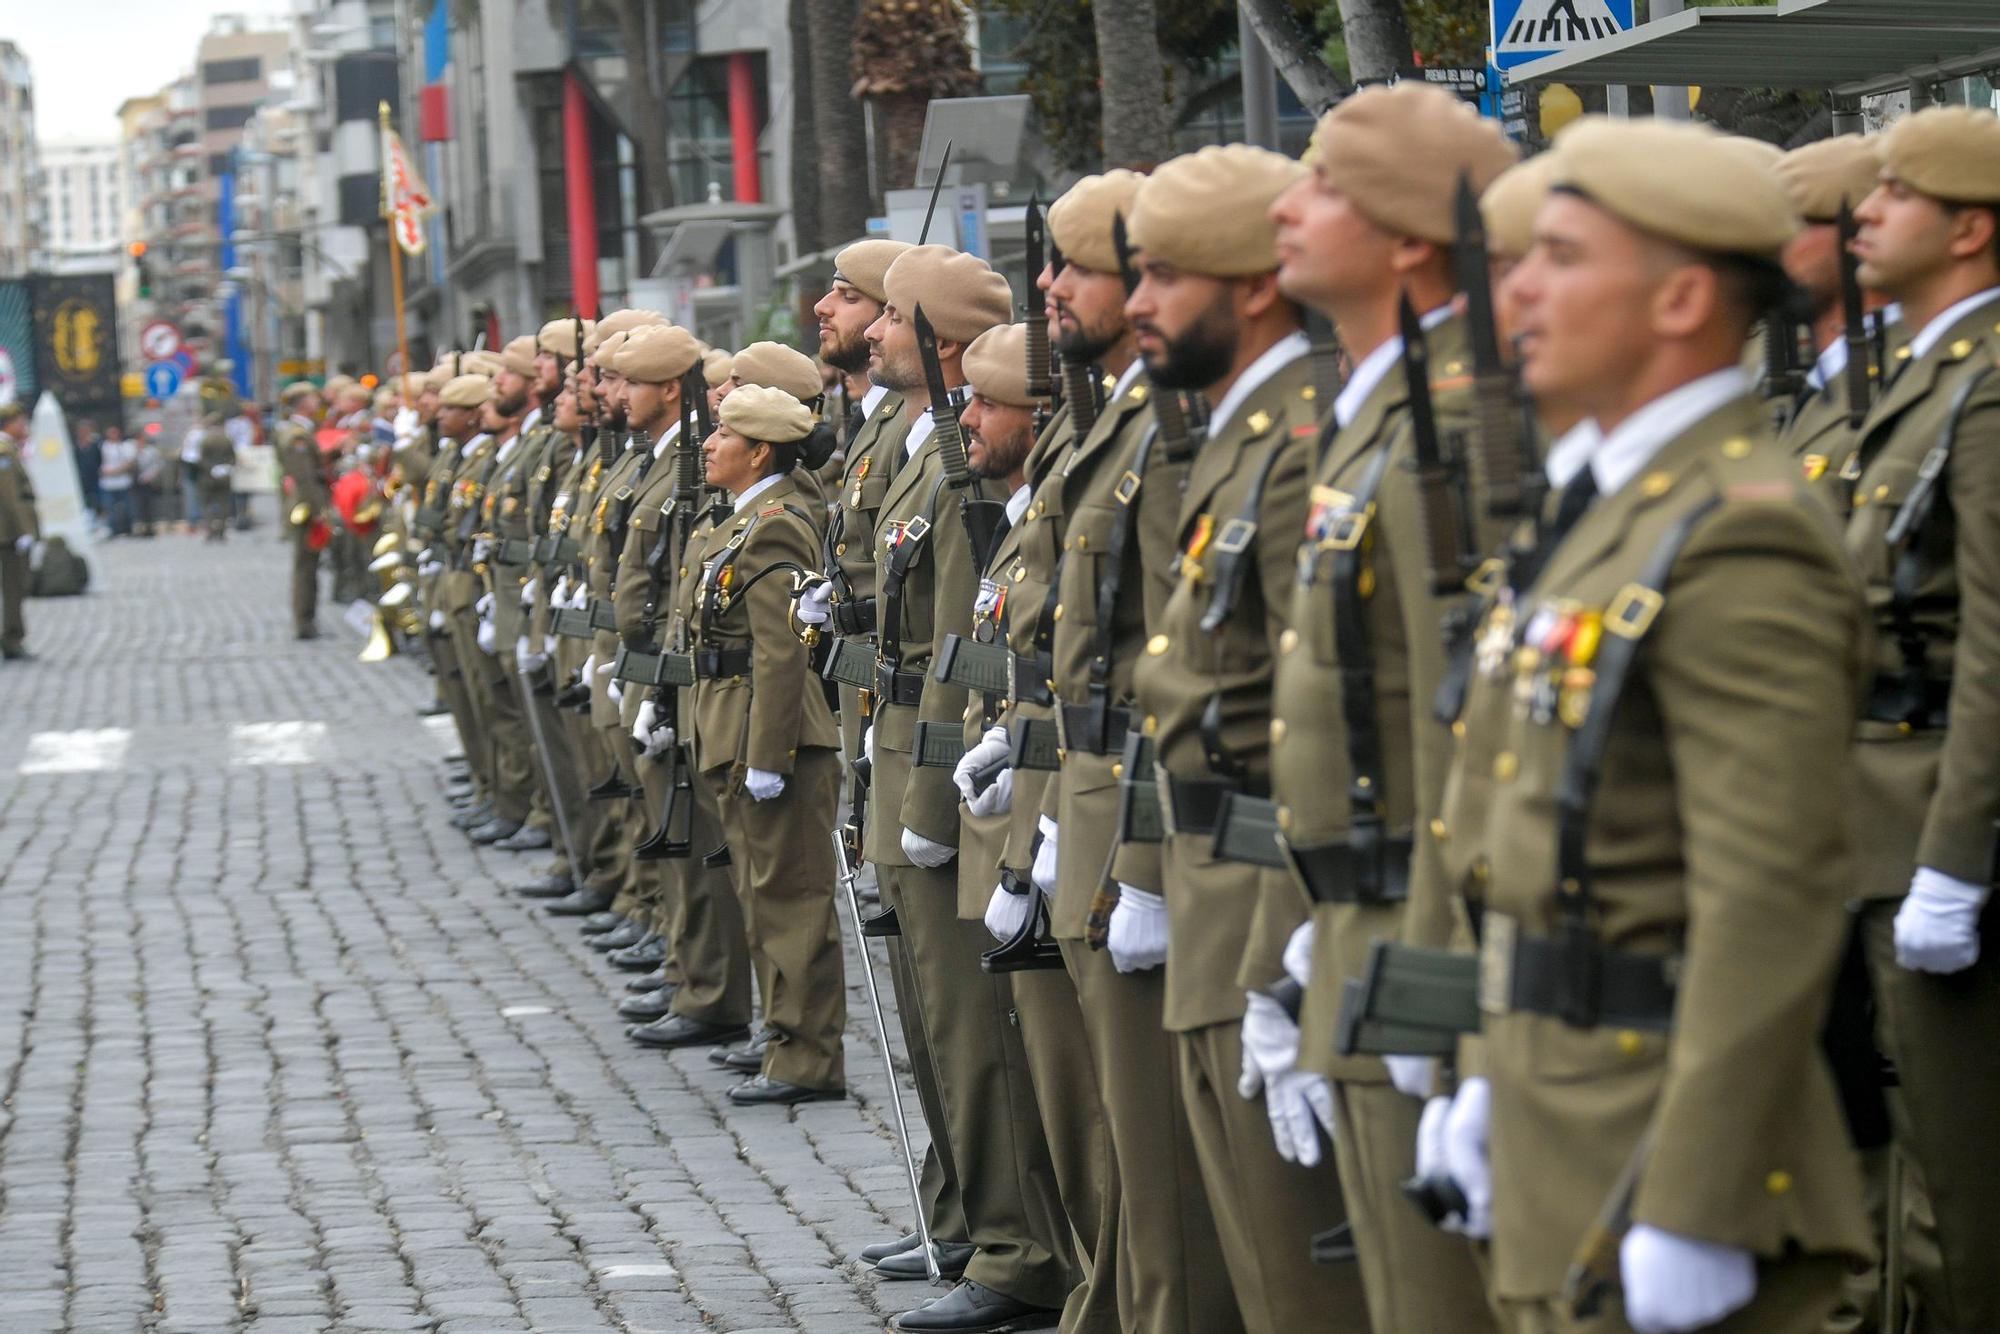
395 260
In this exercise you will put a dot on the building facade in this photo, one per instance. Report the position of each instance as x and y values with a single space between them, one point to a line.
20 180
83 203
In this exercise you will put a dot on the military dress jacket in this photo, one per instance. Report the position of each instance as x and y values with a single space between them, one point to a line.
461 583
647 589
545 487
1929 794
922 528
429 534
410 463
1206 692
303 472
504 513
874 456
17 496
1101 479
759 718
603 536
983 839
1820 437
1707 857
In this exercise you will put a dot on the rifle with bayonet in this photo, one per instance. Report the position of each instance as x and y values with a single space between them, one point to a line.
1451 546
1504 464
937 185
982 517
1854 323
1040 369
1077 380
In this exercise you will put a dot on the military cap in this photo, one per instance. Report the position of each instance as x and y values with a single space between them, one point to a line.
1208 211
759 412
559 338
865 264
1676 180
1080 220
481 362
961 295
297 390
716 365
519 356
1950 153
1819 175
618 321
1765 155
996 365
1509 205
1397 152
387 395
608 349
656 354
779 367
339 384
466 391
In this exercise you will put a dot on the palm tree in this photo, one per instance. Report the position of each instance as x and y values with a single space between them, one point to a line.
907 52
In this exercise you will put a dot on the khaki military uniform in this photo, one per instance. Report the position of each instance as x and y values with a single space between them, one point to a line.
1928 789
429 526
756 705
500 731
1716 590
986 1117
1370 592
305 483
508 516
1228 922
17 520
216 451
1171 1275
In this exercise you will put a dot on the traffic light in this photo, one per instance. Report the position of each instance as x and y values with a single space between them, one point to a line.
138 252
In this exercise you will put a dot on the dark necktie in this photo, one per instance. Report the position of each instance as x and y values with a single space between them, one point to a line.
1571 502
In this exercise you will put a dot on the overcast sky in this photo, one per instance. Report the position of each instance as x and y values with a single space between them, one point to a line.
90 55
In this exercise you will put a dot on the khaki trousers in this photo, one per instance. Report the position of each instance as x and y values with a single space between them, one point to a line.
451 689
707 939
13 592
1267 1211
305 584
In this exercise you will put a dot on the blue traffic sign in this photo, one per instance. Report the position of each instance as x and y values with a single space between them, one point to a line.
163 379
1525 30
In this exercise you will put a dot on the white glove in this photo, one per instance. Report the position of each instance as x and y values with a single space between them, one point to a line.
484 607
1937 928
615 689
924 852
816 604
868 743
653 739
528 591
485 638
1046 868
219 470
481 549
406 424
24 543
998 796
1137 935
762 785
1299 1105
525 658
1007 913
1299 954
584 673
437 620
559 594
599 668
429 568
579 598
1430 1151
1674 1283
1462 1142
1413 1076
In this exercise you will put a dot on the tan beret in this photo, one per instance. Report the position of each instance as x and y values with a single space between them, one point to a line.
758 412
1080 221
480 362
297 390
655 354
779 367
1207 211
961 295
618 321
1510 203
865 264
716 365
434 380
607 350
1676 180
519 356
1765 155
996 365
1397 152
1950 153
1818 176
339 384
466 391
558 337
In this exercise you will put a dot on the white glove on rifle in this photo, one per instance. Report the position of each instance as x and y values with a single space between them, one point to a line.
585 673
525 658
997 798
653 739
1937 928
484 607
1461 1141
1043 873
762 785
579 597
868 743
1007 912
924 852
1413 1076
1675 1283
1137 934
481 549
1299 953
559 593
528 591
1299 1105
816 604
485 638
615 688
437 619
429 568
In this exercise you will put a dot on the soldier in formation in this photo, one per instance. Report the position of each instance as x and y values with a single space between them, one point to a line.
1404 792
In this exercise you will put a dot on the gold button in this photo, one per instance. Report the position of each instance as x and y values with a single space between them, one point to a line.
1859 500
1657 484
1151 726
1458 728
1779 1182
1882 491
1505 765
1020 571
1259 423
1628 1042
1961 348
1308 393
1285 818
1082 542
1157 645
1736 447
1117 768
1903 353
1277 730
840 549
1288 641
1058 612
684 571
1438 831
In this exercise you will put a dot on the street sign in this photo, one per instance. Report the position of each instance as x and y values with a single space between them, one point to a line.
1465 80
185 360
159 340
163 380
1525 30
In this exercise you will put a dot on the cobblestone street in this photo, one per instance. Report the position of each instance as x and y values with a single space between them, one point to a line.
279 1052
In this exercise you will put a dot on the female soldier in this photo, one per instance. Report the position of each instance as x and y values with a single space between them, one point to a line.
764 739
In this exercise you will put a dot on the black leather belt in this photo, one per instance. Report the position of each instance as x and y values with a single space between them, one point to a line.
1075 722
1344 873
1893 699
712 663
853 618
894 687
1574 979
1194 805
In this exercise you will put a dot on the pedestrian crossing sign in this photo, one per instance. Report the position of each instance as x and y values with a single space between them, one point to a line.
1525 30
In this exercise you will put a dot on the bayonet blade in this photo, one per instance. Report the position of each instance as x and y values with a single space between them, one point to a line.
1854 332
944 409
936 185
1039 370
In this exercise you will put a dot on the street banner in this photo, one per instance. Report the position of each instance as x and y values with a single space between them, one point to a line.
76 342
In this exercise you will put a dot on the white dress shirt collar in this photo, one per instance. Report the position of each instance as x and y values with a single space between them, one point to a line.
1617 458
758 488
1941 323
1376 366
873 399
1276 357
1017 504
532 420
1126 377
920 431
666 442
